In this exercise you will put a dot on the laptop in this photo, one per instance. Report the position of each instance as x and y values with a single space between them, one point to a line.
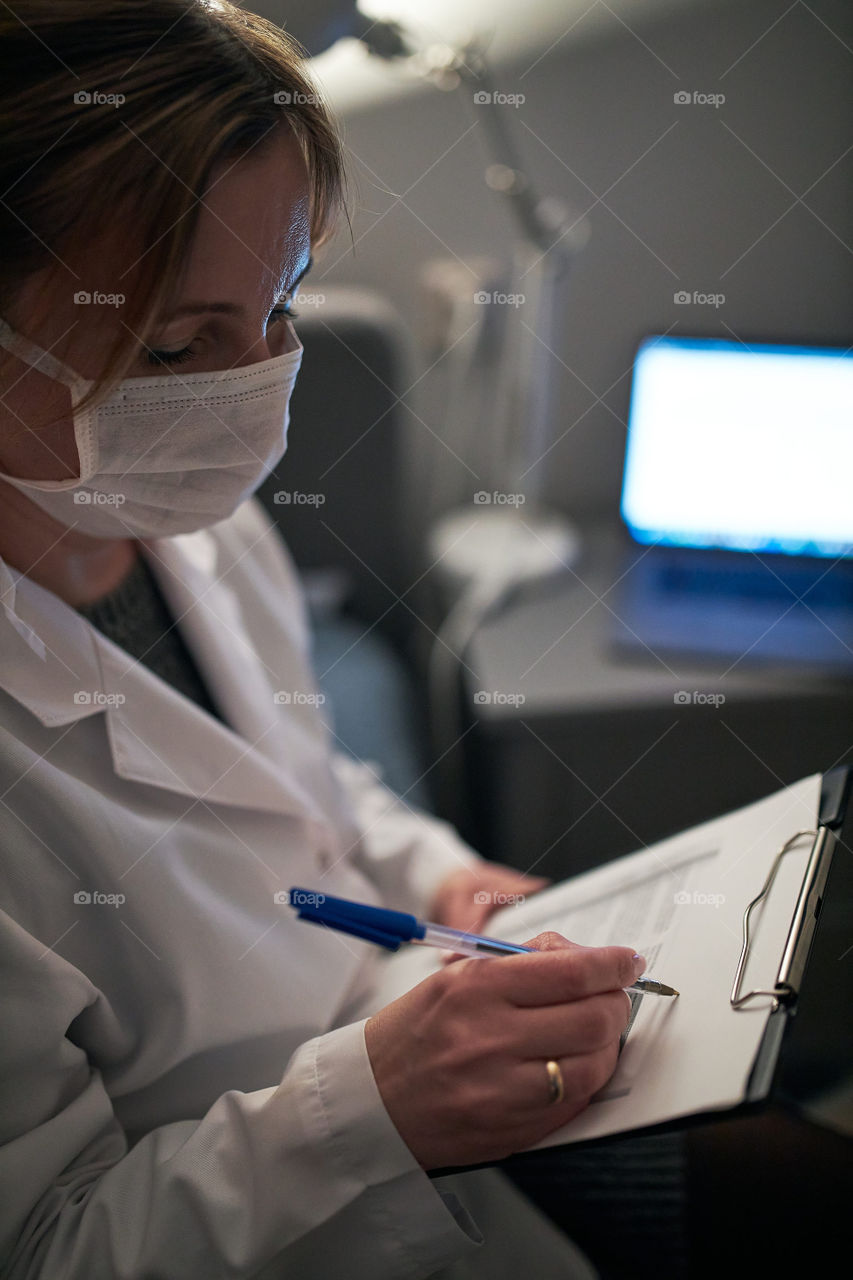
737 502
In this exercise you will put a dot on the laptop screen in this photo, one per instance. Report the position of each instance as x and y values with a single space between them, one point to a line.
745 447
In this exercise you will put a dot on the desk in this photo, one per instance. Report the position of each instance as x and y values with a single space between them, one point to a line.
601 757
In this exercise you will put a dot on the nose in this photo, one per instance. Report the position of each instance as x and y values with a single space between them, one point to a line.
280 340
292 342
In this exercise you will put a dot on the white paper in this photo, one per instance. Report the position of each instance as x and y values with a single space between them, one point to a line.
681 904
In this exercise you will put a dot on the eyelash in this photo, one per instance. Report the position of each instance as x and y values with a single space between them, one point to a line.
282 310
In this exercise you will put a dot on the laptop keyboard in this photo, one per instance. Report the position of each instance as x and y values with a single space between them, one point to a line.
817 588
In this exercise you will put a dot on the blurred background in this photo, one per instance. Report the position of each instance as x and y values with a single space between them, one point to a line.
534 189
703 198
672 149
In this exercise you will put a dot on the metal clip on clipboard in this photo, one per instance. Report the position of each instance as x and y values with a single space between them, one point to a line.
796 950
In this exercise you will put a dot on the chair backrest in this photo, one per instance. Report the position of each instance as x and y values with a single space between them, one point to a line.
336 494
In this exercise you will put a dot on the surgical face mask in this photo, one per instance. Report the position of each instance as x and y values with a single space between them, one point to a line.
165 455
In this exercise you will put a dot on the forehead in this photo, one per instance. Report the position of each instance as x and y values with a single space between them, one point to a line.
252 239
253 231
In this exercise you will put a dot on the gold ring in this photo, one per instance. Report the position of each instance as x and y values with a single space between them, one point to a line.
555 1081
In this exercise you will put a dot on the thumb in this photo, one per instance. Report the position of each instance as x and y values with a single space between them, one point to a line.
530 882
478 919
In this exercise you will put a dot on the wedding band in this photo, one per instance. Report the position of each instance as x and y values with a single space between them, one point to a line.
555 1081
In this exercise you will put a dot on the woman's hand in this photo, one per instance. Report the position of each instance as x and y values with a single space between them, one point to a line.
460 1059
467 898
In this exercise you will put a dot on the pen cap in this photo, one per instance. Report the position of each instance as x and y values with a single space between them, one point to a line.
375 924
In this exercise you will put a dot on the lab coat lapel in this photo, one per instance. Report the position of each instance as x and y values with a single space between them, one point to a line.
160 738
64 670
209 618
279 760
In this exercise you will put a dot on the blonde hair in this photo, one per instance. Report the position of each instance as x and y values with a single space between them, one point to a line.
202 82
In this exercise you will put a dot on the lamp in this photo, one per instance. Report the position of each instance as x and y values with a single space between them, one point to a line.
509 538
488 548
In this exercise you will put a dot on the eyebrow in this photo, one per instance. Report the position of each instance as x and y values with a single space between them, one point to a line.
226 308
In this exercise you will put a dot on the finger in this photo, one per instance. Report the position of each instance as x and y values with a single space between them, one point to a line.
582 1077
583 1026
499 870
550 941
566 972
480 918
539 881
519 880
465 917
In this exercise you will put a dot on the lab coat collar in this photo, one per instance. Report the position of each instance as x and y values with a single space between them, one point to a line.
64 670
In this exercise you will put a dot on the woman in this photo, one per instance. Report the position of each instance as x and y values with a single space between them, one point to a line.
187 1087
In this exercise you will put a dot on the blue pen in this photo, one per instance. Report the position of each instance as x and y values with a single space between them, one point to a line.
390 929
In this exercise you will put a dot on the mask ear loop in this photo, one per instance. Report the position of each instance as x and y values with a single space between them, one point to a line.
37 358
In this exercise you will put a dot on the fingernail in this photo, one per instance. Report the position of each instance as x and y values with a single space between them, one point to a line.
639 964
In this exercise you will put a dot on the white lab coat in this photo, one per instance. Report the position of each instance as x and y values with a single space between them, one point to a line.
183 1095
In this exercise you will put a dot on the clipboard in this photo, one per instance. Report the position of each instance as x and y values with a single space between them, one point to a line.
769 1079
834 803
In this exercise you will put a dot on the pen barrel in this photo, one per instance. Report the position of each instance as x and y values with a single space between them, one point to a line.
438 935
468 944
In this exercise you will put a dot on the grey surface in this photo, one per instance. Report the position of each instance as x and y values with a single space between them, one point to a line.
555 647
600 759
